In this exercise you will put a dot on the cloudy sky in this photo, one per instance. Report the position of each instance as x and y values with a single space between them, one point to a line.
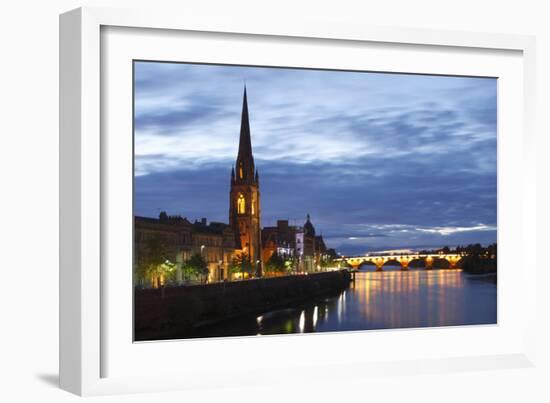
380 161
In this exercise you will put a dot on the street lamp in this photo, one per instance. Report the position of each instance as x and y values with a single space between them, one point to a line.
202 255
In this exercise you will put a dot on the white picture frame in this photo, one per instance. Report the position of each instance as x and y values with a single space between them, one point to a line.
87 343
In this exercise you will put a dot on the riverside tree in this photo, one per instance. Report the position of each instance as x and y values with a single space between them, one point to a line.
241 264
154 263
275 263
195 266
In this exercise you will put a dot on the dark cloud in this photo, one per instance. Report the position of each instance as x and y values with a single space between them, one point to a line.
173 121
378 161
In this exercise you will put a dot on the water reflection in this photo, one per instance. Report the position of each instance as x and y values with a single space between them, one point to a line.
393 299
383 300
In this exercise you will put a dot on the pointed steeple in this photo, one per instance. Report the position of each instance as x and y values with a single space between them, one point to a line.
245 144
245 159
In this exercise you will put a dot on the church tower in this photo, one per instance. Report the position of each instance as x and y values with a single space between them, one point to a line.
244 197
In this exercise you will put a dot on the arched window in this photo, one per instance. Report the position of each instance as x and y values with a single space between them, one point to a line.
252 205
241 206
241 170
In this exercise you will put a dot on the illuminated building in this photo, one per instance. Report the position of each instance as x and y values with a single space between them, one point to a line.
244 197
299 242
180 240
280 239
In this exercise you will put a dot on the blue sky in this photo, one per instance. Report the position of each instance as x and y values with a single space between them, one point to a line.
380 161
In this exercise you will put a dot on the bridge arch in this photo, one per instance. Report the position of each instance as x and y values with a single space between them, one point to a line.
418 262
441 263
452 260
392 261
366 265
397 260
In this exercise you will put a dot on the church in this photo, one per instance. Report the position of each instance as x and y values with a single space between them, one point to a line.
244 198
257 244
220 244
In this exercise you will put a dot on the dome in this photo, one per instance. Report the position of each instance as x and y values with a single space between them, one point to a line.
309 229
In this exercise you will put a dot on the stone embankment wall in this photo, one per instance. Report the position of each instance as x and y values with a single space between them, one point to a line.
161 313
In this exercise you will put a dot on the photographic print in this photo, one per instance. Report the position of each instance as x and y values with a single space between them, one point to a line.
272 200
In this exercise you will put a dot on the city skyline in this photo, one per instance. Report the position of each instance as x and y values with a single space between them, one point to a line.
380 161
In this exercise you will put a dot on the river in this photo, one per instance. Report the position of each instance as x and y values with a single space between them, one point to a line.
382 300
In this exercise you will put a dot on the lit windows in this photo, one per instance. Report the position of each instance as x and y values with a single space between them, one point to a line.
241 205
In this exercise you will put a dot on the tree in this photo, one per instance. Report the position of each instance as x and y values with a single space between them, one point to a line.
492 249
161 272
195 266
479 259
154 262
241 264
291 263
326 262
275 263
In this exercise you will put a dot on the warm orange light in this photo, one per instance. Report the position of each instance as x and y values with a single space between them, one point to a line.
241 205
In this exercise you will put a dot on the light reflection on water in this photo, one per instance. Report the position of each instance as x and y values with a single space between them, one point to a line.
395 299
384 300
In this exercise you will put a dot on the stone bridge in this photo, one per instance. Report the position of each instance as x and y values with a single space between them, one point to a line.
403 260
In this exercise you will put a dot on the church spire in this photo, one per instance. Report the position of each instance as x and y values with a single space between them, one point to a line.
245 160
